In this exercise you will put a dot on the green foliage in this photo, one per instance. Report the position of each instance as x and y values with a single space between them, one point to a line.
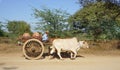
99 20
1 31
88 2
17 28
53 20
107 29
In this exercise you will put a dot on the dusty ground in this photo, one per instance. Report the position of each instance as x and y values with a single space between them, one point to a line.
11 58
15 61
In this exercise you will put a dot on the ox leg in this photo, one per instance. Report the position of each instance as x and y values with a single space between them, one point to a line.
58 52
75 53
71 55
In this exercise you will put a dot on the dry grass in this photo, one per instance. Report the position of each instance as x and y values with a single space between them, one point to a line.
102 48
9 48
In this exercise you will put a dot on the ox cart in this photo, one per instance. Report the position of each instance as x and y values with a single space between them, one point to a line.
33 48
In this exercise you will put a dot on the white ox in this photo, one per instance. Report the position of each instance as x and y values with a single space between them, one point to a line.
71 45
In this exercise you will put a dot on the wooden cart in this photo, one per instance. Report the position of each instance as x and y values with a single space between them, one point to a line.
33 49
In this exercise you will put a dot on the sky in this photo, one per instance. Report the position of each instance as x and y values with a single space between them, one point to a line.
23 9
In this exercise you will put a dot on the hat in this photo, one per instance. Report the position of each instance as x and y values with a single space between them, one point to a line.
47 31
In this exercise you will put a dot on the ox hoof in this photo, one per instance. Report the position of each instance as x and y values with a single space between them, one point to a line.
51 57
61 58
72 58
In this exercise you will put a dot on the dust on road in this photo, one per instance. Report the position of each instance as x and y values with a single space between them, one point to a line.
89 62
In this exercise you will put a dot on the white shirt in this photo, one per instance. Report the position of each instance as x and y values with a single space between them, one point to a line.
45 37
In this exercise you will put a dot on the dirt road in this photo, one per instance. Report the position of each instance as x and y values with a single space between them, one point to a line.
89 62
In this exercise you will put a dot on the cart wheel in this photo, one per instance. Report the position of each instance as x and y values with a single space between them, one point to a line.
33 49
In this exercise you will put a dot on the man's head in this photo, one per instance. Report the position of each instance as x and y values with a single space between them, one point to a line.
47 32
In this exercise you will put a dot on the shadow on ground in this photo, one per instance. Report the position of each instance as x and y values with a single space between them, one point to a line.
63 54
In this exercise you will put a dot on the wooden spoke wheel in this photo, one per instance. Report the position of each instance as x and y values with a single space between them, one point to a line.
33 49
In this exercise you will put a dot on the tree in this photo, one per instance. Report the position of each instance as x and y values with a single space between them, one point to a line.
98 20
88 2
109 4
18 27
1 31
54 20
